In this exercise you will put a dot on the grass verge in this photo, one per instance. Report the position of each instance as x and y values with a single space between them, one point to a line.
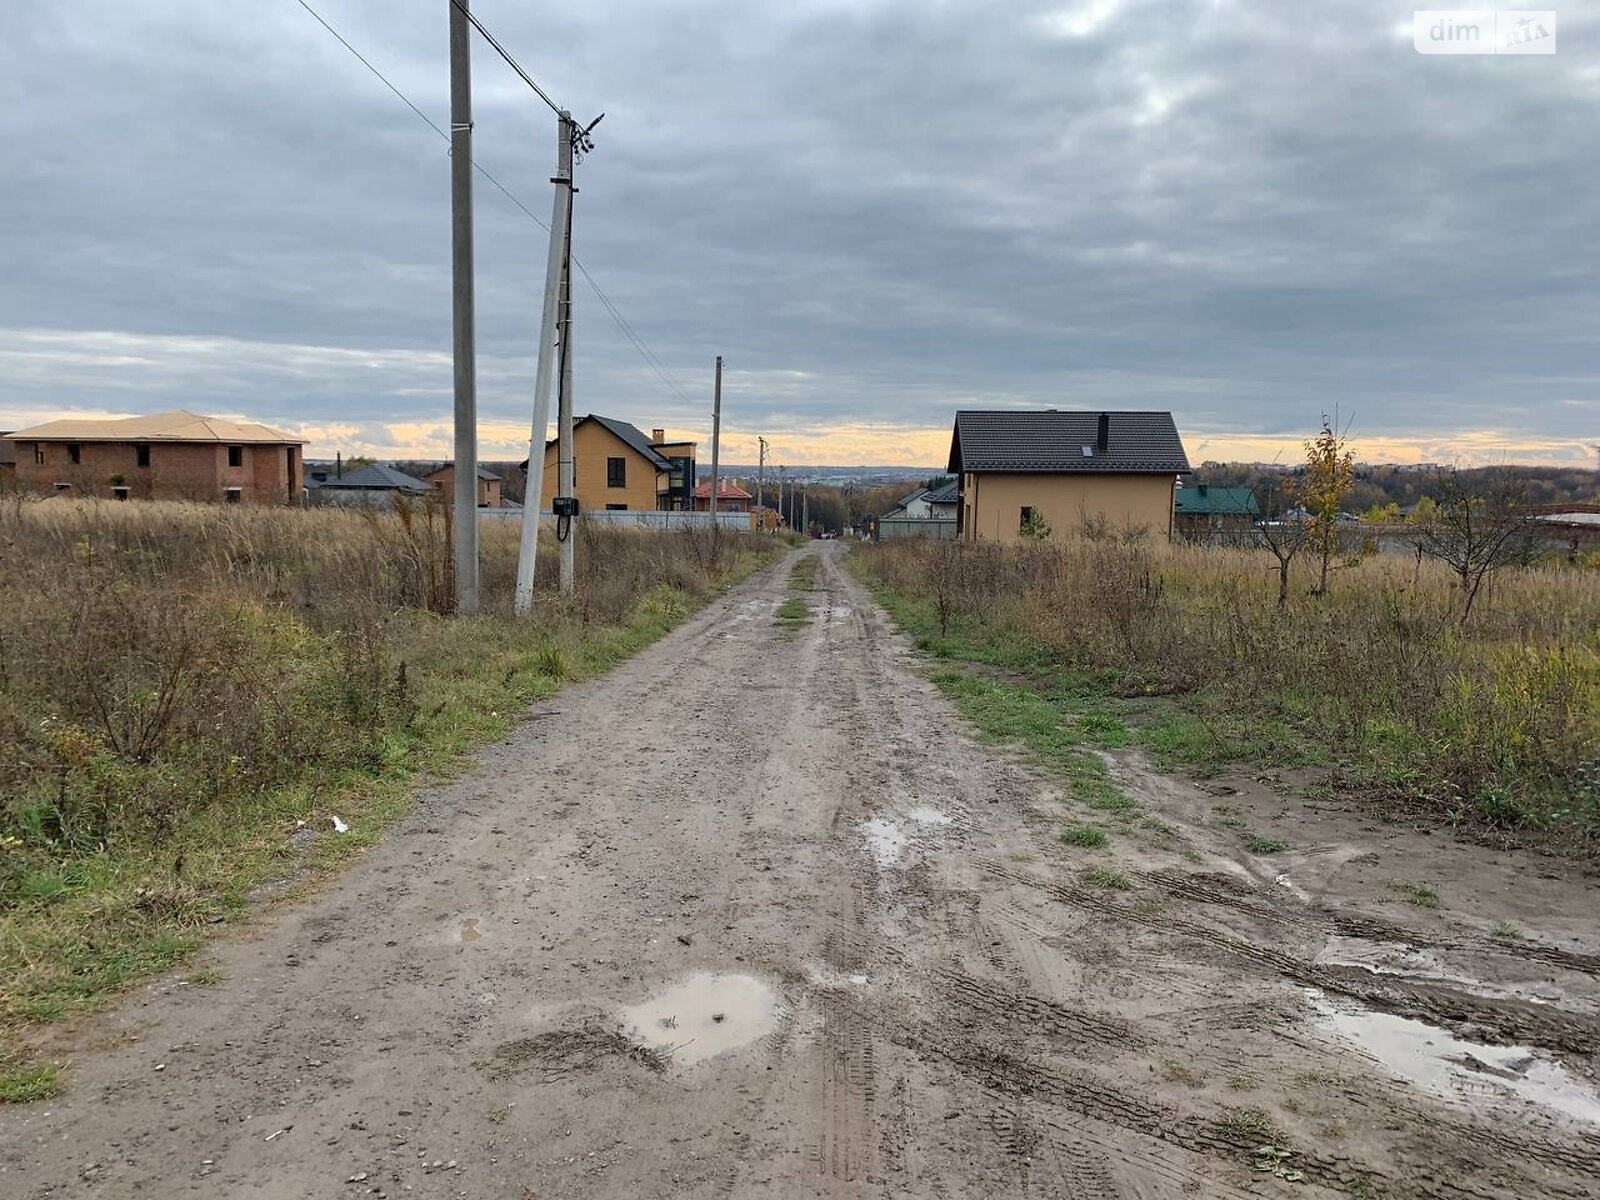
125 843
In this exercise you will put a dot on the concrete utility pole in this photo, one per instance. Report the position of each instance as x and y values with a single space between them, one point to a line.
528 552
564 411
464 534
716 438
782 512
805 511
761 476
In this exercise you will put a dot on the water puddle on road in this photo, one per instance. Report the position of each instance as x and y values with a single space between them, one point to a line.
705 1015
1469 1072
470 932
885 839
1405 962
926 814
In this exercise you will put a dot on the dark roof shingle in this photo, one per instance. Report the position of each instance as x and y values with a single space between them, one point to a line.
1054 440
372 477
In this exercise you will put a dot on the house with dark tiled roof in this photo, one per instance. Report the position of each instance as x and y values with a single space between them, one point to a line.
369 486
1055 472
615 465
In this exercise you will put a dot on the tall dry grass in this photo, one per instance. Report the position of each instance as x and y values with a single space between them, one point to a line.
1497 721
160 659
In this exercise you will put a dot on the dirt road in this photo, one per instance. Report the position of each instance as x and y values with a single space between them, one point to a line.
752 916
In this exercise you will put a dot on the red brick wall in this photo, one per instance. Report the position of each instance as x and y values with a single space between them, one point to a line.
177 470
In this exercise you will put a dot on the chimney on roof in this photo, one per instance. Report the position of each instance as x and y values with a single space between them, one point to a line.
1102 440
658 436
338 464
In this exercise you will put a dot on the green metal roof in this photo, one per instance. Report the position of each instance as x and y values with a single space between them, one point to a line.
1206 500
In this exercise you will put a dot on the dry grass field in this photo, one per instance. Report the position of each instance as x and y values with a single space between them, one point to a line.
190 694
1492 724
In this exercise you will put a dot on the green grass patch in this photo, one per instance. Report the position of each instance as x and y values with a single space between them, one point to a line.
1088 837
1423 895
1257 844
25 1083
1250 1124
1107 877
1015 713
1505 931
793 611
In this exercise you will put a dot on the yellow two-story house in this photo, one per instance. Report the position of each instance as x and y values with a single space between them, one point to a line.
1023 473
615 466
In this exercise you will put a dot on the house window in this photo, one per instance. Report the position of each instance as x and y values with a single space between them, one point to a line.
119 492
1027 518
616 507
141 455
616 473
230 495
63 487
38 454
236 456
74 453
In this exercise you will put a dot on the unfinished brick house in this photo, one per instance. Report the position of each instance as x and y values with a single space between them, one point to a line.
168 456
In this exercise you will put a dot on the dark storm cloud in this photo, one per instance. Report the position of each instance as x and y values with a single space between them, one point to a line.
877 211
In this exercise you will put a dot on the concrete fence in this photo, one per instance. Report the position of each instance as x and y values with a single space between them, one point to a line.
930 527
638 518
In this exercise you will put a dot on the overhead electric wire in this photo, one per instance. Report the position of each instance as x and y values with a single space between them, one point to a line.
650 358
501 51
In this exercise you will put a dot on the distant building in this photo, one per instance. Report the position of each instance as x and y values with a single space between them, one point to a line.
730 496
1064 470
924 513
1203 511
175 455
615 466
444 481
371 485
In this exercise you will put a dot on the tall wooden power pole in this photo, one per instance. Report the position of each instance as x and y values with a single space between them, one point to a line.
716 439
465 500
528 551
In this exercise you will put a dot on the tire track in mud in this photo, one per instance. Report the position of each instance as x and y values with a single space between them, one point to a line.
1006 1075
1508 1020
997 1004
1226 891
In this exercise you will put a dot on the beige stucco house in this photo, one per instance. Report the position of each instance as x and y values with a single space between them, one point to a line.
1061 471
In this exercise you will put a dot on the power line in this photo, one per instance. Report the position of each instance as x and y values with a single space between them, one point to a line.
503 53
650 358
403 98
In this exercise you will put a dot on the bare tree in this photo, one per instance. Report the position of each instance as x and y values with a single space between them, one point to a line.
1283 533
1478 528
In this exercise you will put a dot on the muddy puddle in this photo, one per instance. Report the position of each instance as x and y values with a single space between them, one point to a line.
1438 1061
1412 962
705 1015
926 814
885 839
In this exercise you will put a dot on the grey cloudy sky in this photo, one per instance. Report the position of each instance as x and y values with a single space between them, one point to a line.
878 210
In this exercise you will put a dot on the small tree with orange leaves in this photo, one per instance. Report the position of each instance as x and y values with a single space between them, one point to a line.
1330 470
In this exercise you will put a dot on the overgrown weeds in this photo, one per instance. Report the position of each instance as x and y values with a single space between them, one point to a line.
182 687
1492 723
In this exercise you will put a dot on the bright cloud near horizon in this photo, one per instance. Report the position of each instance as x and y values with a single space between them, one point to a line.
879 212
